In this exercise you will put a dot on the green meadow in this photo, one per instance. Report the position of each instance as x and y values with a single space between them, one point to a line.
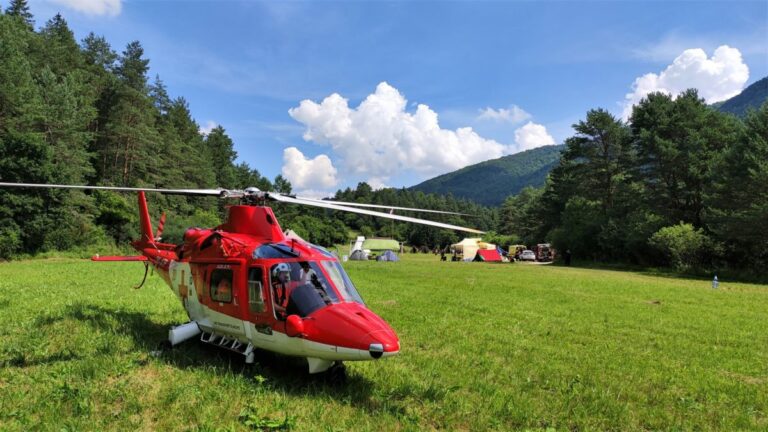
484 347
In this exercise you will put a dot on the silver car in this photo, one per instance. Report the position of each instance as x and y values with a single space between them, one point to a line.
527 255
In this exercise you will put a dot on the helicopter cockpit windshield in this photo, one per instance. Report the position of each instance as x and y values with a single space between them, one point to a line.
302 287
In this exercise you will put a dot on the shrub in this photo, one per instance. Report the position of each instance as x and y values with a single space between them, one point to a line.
10 240
683 246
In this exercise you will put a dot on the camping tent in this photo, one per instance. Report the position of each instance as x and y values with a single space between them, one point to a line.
486 245
485 255
358 255
381 244
469 246
387 256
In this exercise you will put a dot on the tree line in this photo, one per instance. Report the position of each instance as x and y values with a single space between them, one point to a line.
82 113
679 184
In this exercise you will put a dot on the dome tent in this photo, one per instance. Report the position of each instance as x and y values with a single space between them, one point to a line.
388 256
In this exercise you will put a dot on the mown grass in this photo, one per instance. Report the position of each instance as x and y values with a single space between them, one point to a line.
484 347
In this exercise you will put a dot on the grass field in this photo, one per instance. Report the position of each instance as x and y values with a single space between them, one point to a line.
484 347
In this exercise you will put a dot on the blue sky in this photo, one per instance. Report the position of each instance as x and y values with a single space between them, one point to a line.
517 73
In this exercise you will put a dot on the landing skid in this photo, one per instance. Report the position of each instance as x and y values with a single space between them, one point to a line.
233 345
332 371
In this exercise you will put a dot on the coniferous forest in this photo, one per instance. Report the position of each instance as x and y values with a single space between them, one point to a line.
82 113
679 184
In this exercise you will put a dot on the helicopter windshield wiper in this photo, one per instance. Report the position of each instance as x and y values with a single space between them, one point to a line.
292 252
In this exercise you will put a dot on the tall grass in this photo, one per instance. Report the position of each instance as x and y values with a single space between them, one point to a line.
484 347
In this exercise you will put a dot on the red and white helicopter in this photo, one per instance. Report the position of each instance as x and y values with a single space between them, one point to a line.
246 285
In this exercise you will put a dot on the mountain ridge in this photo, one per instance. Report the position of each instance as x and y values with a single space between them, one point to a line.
490 182
753 97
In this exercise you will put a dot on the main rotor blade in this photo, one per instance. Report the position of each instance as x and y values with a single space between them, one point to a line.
323 204
205 192
354 204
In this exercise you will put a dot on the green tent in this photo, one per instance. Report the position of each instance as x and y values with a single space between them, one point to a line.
380 244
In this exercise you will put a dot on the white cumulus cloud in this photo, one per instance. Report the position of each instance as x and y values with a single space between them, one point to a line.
209 126
717 78
94 7
532 135
377 183
308 174
379 138
513 114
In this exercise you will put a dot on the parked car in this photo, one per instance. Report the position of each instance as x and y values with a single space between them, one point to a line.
527 255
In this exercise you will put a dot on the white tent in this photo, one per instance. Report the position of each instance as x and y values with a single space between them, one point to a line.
469 246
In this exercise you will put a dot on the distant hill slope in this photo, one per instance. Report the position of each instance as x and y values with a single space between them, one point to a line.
490 182
752 97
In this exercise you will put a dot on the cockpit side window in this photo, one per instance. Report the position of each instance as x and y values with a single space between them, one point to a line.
300 288
255 290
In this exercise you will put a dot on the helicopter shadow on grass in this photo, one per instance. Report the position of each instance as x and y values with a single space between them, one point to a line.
281 373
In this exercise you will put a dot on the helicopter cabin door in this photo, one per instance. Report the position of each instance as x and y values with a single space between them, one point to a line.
258 312
225 295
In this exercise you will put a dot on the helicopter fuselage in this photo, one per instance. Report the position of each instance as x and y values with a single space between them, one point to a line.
246 286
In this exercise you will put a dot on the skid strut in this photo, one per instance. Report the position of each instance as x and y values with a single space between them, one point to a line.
246 349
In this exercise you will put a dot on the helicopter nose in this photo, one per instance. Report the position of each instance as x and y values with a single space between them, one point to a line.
353 326
384 343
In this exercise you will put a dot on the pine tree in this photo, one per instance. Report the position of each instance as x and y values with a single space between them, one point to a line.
68 110
60 50
159 95
600 156
197 166
677 141
20 9
19 97
223 155
132 68
282 185
98 52
131 136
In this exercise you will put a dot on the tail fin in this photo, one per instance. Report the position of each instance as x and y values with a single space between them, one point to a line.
146 223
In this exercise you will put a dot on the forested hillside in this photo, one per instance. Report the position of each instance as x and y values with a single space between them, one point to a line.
751 98
490 182
82 113
680 184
